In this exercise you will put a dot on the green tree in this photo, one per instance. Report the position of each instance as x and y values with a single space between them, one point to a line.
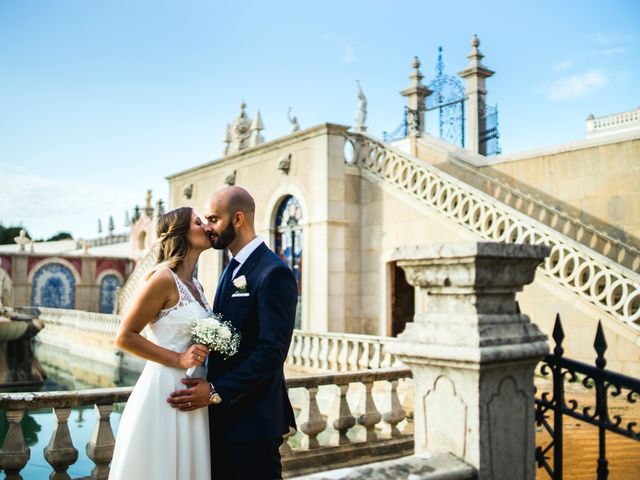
60 236
7 234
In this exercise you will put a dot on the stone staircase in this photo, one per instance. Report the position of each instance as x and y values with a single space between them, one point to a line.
130 287
579 268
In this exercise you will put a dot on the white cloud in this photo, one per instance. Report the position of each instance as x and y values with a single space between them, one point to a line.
614 38
575 86
613 51
348 54
48 205
563 66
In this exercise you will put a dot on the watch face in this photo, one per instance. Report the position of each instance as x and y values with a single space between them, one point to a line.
215 398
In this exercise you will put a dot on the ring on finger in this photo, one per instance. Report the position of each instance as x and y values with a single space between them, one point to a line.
189 404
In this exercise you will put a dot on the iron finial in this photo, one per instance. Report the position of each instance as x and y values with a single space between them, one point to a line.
558 337
600 345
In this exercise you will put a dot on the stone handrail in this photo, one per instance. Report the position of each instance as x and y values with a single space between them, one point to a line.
593 236
130 287
615 120
339 352
593 277
100 324
337 445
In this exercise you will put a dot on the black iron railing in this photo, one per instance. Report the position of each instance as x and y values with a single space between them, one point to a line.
551 407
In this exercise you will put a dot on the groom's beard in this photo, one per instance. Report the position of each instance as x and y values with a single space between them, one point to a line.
224 239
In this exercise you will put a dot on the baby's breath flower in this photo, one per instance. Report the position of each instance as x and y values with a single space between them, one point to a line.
216 334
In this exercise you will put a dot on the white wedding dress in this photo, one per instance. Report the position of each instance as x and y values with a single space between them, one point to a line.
155 441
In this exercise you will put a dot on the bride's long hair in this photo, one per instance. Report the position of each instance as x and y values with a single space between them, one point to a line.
172 232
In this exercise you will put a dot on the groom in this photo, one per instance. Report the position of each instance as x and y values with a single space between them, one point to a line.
249 408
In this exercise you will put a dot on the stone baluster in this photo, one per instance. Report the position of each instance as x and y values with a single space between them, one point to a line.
343 357
60 453
306 351
363 362
285 448
324 353
396 413
473 354
297 351
370 416
14 454
344 419
294 339
100 447
334 350
376 355
312 422
387 358
315 351
354 357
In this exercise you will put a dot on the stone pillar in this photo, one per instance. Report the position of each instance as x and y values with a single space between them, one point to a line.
416 94
475 75
472 354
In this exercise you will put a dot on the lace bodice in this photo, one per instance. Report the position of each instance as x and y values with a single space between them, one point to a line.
172 326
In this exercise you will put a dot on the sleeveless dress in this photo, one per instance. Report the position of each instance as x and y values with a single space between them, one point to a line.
155 441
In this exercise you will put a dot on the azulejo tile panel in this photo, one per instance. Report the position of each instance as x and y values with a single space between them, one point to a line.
54 286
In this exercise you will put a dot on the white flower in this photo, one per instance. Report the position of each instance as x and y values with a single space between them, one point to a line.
240 282
225 332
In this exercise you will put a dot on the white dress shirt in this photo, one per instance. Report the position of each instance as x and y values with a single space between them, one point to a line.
245 253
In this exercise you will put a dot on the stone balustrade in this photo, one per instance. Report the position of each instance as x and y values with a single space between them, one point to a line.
88 323
593 277
344 433
339 352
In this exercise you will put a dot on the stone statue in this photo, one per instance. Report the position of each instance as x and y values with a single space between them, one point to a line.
293 120
22 240
361 117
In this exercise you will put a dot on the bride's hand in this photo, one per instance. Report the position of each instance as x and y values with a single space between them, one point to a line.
195 355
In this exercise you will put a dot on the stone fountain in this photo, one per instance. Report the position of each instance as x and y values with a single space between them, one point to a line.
18 366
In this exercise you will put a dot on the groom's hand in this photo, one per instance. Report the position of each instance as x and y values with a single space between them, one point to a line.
195 396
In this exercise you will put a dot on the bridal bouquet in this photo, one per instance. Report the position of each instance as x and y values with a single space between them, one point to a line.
217 335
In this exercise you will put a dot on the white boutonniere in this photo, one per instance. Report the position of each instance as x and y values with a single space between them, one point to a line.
241 284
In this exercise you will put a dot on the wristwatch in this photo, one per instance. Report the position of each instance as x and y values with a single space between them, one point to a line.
214 398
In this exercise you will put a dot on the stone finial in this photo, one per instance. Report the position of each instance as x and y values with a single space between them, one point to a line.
293 120
22 240
112 225
475 57
148 209
361 116
85 246
99 226
227 140
256 127
416 94
127 220
159 210
239 132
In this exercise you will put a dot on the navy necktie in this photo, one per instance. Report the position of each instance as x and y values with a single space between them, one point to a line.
225 280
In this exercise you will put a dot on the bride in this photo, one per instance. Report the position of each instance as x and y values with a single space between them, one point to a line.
154 440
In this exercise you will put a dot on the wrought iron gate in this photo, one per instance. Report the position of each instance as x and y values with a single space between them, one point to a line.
553 404
448 99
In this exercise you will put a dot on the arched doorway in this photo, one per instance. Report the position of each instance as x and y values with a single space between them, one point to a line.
288 241
401 300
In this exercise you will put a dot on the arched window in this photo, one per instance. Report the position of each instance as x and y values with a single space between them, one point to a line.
288 241
108 287
54 286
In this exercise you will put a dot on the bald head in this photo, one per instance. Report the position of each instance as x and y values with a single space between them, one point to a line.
235 199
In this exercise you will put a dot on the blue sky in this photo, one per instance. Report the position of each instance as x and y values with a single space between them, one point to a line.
100 100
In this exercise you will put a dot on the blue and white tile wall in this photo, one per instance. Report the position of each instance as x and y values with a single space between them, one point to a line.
54 286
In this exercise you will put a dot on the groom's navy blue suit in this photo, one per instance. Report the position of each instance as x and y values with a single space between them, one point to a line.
247 427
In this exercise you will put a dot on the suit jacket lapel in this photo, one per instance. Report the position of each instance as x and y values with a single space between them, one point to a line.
245 269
